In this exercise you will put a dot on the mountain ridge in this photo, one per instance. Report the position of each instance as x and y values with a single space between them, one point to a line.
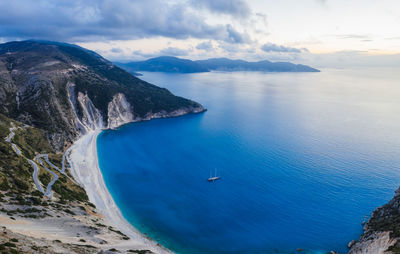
180 65
71 88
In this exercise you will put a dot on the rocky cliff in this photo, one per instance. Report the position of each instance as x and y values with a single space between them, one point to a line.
67 90
119 111
382 231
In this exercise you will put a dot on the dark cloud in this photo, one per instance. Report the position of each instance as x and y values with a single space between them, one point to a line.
75 20
206 45
271 47
236 8
236 37
173 51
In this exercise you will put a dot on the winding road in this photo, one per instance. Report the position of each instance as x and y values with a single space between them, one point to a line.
35 175
16 149
48 192
11 135
65 155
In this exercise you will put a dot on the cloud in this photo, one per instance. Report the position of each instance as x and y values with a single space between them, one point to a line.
271 47
116 50
139 54
80 21
351 59
235 8
173 51
263 18
206 45
322 2
235 37
393 38
353 36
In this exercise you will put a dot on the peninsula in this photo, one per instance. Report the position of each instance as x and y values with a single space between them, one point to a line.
54 100
179 65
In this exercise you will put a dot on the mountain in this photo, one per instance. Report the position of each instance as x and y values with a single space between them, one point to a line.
51 94
225 64
67 90
173 64
165 64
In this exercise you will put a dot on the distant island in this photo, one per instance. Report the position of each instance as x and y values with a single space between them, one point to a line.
180 65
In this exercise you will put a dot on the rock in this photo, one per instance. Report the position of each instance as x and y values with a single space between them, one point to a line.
351 243
372 242
91 116
119 111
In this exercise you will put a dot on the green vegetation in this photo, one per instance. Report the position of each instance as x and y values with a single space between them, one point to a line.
143 96
105 80
31 141
16 172
140 251
10 244
124 237
69 191
46 103
387 219
395 249
8 247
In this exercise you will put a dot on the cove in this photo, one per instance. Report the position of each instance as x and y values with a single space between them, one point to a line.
303 158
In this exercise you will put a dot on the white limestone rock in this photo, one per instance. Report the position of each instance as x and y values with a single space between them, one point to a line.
119 111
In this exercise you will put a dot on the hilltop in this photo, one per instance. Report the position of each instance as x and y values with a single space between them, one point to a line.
67 90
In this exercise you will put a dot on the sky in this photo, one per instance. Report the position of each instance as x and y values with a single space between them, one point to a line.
322 33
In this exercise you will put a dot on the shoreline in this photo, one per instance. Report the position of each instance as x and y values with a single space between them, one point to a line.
86 171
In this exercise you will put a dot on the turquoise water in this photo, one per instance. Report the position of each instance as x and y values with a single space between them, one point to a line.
303 158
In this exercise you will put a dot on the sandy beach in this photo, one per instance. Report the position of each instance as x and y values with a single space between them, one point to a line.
85 169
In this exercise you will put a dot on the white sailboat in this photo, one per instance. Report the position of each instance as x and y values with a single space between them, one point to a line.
213 178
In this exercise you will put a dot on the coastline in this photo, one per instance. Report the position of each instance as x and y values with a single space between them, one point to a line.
86 171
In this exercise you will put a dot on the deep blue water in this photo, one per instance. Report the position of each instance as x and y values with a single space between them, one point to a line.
303 158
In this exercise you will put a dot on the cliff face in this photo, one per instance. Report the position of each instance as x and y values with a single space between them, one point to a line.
119 111
382 231
67 91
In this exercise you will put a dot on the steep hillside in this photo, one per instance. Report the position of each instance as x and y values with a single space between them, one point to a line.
66 91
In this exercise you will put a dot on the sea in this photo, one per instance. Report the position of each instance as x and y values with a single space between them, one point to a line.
303 160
